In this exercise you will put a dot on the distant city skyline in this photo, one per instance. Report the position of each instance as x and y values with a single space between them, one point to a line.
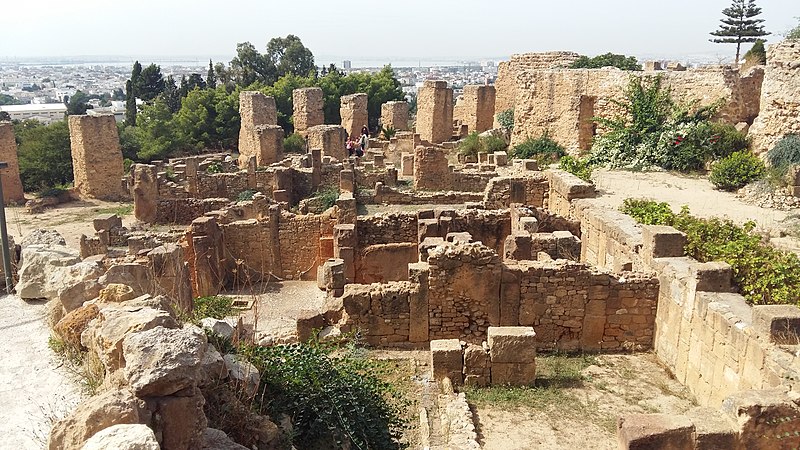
359 30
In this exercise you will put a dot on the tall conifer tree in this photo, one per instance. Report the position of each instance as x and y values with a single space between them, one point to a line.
740 25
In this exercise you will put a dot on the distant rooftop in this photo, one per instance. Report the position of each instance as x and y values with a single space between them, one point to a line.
34 107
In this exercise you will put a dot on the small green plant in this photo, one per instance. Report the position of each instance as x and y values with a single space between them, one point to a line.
506 119
215 306
127 164
494 144
294 143
471 145
81 363
328 197
607 60
724 139
794 33
581 168
737 170
544 149
388 132
333 394
169 174
785 153
757 53
214 167
763 274
246 195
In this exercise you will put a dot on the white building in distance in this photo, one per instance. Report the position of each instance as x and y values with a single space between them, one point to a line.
46 113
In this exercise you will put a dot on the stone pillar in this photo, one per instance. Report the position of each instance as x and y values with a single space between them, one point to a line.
145 192
435 112
407 164
207 270
192 165
395 115
96 157
266 145
12 184
255 109
316 167
330 139
513 354
344 244
171 274
431 170
307 108
353 109
477 107
347 181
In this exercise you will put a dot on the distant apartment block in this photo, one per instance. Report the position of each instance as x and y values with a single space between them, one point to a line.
347 64
43 112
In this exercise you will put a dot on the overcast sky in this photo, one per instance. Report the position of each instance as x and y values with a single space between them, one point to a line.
360 29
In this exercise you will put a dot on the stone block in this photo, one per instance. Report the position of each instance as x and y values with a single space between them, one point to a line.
712 276
766 419
12 183
713 430
662 241
530 164
517 247
500 159
107 222
346 181
407 164
281 195
96 157
512 344
529 224
447 360
655 431
427 228
426 245
513 374
308 104
476 360
779 323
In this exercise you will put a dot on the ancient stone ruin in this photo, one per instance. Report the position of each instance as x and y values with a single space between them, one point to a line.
96 157
12 185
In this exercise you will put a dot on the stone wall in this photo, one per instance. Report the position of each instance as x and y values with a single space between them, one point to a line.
353 111
475 108
435 112
256 109
530 190
383 309
389 228
307 104
564 188
96 157
330 139
395 115
780 96
392 196
12 184
264 142
431 169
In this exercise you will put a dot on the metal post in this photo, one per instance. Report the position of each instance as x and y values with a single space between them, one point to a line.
4 238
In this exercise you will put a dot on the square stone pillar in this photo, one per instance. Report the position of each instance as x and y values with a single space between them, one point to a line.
12 184
328 138
395 115
353 109
96 157
435 112
307 103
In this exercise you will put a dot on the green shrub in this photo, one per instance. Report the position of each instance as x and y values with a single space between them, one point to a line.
215 306
55 191
246 195
388 132
794 33
607 60
328 197
757 53
544 149
471 145
581 168
127 164
294 143
214 167
332 394
506 119
785 153
737 170
725 140
763 274
494 144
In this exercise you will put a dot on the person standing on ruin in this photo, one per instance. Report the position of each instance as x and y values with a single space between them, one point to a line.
364 139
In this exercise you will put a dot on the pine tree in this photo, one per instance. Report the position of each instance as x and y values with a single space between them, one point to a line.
130 104
171 95
211 77
740 25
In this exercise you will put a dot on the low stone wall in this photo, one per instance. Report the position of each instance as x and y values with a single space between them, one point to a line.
182 211
609 239
530 190
393 196
389 228
382 310
564 188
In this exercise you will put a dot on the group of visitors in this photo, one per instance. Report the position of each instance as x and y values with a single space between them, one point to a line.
358 146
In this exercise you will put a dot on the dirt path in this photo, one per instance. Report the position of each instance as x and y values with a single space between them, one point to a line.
34 389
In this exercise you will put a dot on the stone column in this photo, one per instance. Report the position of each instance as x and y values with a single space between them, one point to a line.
431 170
395 115
344 244
477 107
353 109
207 273
145 192
96 157
267 146
12 184
308 112
256 110
435 112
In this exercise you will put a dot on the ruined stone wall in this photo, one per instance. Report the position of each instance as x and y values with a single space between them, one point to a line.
395 114
96 157
265 142
330 139
506 83
476 108
383 309
562 102
780 97
530 190
12 184
471 181
435 112
353 111
609 239
256 109
307 104
564 188
393 196
395 227
431 169
182 211
222 185
385 262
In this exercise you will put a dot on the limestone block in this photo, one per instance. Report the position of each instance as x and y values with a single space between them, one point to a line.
57 273
346 181
780 323
435 112
407 164
123 437
43 237
214 439
713 430
115 293
513 374
107 222
266 144
463 237
331 276
212 367
330 140
162 361
517 247
766 419
243 373
353 111
307 103
182 421
662 241
145 192
476 360
712 276
427 228
651 431
447 359
530 164
427 245
512 344
529 224
308 322
70 327
395 114
500 159
96 413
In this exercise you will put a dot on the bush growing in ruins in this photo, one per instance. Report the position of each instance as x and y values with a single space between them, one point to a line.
388 132
544 149
294 143
328 197
607 60
580 167
246 195
785 153
737 170
474 144
506 119
216 306
794 33
331 392
763 274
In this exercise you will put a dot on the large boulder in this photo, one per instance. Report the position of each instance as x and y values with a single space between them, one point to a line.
105 334
162 361
123 437
40 236
38 263
212 367
71 326
214 439
181 420
243 374
94 414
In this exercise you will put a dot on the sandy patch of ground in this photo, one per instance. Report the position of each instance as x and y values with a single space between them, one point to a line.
35 389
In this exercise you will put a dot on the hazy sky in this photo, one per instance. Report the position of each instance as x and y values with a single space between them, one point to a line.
359 29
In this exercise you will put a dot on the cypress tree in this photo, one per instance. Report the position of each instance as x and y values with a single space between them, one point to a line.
211 77
136 79
740 25
130 105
